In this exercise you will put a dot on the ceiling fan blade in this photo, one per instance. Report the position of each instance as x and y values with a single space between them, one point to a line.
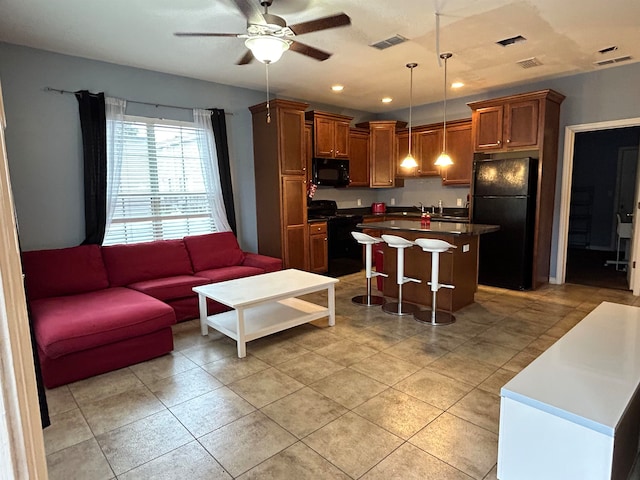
247 58
333 21
250 10
308 51
204 34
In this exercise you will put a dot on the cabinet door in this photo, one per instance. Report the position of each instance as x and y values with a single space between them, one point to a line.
487 124
318 248
291 141
308 148
383 165
521 124
359 159
323 137
294 221
428 146
341 139
460 149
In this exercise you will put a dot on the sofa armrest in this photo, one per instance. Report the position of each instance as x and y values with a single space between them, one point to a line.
269 264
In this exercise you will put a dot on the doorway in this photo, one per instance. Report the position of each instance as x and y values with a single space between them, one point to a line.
599 183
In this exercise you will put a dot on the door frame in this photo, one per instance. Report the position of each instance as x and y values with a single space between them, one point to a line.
565 188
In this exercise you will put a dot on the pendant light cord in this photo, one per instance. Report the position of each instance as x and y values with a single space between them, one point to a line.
266 64
445 57
411 66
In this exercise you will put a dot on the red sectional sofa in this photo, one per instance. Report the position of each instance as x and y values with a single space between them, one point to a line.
97 309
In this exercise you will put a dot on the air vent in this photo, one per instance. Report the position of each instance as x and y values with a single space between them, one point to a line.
612 48
611 61
389 42
529 62
510 41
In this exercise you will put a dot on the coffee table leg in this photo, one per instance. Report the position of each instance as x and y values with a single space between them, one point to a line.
331 294
242 345
202 306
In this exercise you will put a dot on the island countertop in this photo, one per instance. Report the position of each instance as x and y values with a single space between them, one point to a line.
443 228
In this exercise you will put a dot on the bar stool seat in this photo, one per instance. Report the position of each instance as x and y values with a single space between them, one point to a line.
368 241
400 308
434 316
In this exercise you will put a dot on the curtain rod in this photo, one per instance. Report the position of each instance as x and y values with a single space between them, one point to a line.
57 90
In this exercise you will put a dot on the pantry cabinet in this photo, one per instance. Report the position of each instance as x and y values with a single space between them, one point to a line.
382 152
330 134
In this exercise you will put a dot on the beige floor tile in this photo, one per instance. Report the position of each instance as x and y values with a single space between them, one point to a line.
416 351
480 408
296 462
411 463
385 368
434 388
212 410
60 400
479 313
230 369
520 361
375 338
304 411
277 352
265 387
309 367
485 352
526 327
314 339
83 461
243 444
496 381
402 327
184 386
121 409
506 338
162 367
189 462
462 368
346 352
353 444
139 442
66 429
543 342
459 443
397 412
211 351
105 385
348 387
493 474
442 337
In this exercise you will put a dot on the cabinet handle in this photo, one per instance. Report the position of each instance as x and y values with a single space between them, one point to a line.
337 152
304 169
499 142
325 239
508 140
331 151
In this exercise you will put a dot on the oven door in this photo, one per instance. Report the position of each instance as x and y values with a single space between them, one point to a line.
345 253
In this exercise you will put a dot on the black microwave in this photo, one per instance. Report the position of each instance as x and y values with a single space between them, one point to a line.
330 172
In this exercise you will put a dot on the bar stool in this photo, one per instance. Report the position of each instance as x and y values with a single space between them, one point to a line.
399 308
368 241
433 316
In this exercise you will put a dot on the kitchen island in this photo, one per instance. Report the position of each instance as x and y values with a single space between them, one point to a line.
459 267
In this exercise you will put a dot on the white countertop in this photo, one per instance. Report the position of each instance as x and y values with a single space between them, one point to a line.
590 374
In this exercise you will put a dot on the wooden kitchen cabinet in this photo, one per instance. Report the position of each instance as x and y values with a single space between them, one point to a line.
318 247
382 152
426 145
460 149
308 149
280 165
359 158
330 134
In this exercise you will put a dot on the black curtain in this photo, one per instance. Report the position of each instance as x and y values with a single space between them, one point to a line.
94 146
222 148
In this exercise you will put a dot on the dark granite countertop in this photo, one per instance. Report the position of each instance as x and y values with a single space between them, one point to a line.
449 214
447 228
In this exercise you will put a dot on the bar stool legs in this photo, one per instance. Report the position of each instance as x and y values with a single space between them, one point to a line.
434 316
368 241
400 308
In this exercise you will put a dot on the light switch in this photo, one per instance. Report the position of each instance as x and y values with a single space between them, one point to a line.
359 202
465 248
392 201
458 202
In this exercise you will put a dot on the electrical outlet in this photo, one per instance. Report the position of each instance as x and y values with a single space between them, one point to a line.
392 201
458 202
359 201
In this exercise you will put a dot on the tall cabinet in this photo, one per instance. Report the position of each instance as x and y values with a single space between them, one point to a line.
525 125
281 181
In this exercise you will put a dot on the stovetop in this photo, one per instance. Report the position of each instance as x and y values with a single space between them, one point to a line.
326 210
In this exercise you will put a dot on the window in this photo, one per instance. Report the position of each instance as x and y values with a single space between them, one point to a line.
161 189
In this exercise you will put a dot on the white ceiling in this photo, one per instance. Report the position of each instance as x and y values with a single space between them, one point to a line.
564 35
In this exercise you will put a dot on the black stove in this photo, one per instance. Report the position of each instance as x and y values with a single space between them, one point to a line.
345 254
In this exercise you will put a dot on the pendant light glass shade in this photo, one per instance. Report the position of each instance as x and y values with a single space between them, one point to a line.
444 160
267 48
409 161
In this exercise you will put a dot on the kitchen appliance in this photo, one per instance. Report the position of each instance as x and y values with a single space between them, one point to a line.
504 193
330 172
344 252
378 207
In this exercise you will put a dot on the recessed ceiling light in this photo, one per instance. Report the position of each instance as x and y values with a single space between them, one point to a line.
337 88
457 85
387 100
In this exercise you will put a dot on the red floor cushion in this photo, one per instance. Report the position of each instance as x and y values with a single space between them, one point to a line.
79 322
170 288
229 273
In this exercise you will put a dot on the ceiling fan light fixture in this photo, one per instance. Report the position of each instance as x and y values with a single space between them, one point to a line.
267 48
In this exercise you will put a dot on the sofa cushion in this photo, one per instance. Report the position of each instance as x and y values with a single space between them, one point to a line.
170 288
79 322
138 262
229 273
64 271
214 250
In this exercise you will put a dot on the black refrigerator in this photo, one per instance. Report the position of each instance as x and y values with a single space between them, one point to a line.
504 194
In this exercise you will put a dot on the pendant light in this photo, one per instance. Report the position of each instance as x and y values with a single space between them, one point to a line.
409 161
444 160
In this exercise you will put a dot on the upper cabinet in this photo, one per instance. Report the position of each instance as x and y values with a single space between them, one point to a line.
426 145
382 152
460 149
511 123
330 134
359 158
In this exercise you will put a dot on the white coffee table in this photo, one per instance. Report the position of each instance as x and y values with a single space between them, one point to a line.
265 304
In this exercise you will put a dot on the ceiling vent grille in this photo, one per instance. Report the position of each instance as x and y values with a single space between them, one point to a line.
611 61
510 41
389 42
529 62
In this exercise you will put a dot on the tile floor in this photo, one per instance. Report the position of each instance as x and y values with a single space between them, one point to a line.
375 397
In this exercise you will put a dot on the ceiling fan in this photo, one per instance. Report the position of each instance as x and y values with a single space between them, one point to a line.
268 36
